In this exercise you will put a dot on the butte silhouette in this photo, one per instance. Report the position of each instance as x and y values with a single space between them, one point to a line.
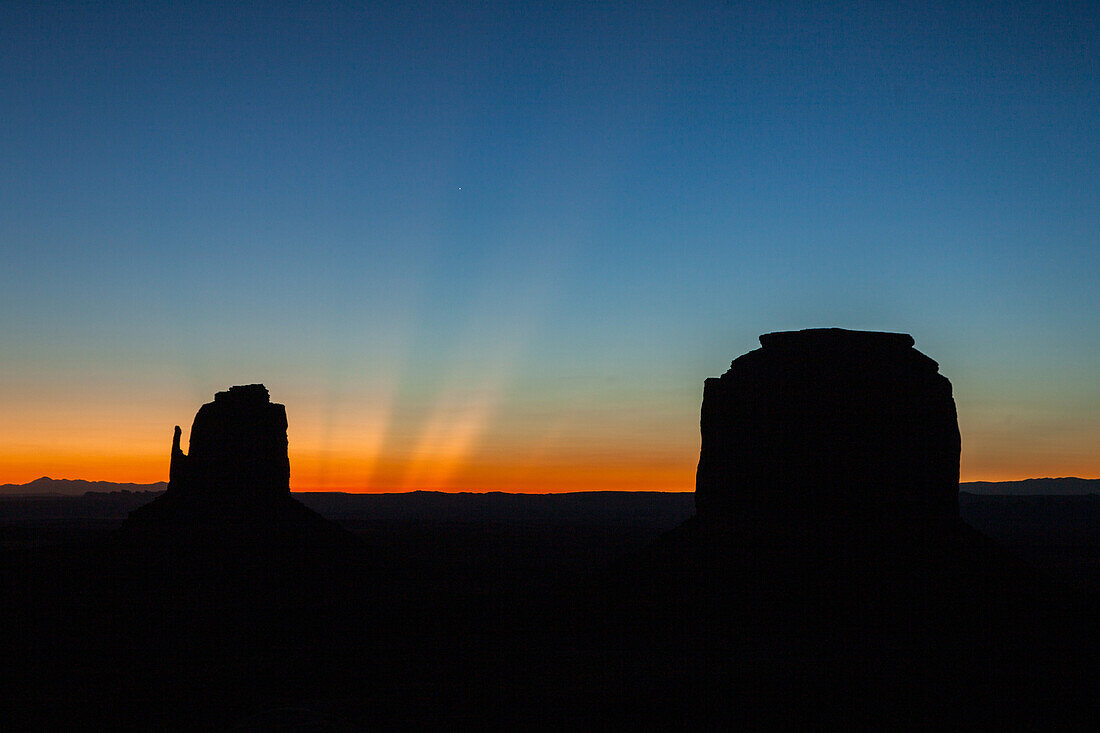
829 425
232 487
827 574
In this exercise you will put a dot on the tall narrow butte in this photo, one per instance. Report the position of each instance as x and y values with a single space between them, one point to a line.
238 448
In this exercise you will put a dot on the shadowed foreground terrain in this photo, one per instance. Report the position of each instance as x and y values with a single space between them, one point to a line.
825 572
464 607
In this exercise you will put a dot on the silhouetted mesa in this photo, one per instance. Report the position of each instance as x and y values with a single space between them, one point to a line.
233 484
828 422
827 576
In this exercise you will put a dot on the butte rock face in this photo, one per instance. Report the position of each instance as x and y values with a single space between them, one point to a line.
827 423
238 449
827 575
233 484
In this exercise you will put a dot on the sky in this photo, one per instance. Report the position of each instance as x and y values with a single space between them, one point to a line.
499 246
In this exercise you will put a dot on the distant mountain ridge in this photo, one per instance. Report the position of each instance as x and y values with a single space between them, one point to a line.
47 486
1067 486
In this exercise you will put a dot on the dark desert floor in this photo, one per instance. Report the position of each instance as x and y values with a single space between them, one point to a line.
488 610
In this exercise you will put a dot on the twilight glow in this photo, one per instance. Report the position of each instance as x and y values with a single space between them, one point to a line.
499 246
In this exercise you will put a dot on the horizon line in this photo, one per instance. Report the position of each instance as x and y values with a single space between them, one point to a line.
357 490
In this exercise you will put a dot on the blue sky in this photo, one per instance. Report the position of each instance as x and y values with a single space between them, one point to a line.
550 213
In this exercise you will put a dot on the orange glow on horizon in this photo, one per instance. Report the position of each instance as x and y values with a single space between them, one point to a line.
312 472
555 474
463 443
112 467
460 469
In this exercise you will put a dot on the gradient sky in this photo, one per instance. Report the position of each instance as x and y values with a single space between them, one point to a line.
500 245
